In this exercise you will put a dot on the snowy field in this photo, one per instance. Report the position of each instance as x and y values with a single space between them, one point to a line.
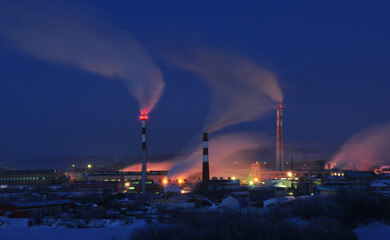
21 231
375 231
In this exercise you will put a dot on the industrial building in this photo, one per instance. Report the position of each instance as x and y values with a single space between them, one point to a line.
32 177
97 186
130 181
28 209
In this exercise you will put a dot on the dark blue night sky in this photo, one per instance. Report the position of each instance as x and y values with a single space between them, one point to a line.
331 58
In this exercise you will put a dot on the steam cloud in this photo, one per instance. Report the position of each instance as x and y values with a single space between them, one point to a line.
241 90
158 166
365 150
230 155
56 31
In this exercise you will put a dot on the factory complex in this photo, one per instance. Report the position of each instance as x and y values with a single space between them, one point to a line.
260 187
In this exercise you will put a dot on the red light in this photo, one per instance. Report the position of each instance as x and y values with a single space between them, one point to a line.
143 117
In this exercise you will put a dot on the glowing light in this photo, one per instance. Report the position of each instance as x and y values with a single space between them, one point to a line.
180 181
251 183
165 181
182 191
256 179
73 165
143 117
289 174
89 165
127 184
233 178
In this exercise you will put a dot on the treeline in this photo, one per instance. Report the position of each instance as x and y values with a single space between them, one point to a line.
311 218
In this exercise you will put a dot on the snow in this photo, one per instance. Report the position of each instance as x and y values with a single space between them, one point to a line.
377 231
14 229
274 201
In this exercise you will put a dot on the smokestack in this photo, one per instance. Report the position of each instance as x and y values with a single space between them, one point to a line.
292 163
279 138
143 119
206 171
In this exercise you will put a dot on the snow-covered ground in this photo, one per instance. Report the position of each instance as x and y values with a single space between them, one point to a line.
375 231
16 229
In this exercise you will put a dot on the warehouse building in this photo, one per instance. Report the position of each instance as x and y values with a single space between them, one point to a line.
32 177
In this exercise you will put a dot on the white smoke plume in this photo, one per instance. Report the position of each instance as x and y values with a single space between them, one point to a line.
230 155
241 90
365 150
60 32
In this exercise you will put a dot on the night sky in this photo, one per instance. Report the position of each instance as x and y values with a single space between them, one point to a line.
331 58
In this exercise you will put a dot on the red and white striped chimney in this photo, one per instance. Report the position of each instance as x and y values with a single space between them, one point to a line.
143 119
279 138
206 171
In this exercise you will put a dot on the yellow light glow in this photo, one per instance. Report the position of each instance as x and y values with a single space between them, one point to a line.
234 178
73 165
251 183
127 184
256 179
165 181
89 165
289 174
180 181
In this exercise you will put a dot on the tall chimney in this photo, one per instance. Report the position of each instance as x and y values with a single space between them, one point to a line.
292 163
143 119
206 171
279 138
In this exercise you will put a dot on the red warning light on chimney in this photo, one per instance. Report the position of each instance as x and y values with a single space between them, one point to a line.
143 117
